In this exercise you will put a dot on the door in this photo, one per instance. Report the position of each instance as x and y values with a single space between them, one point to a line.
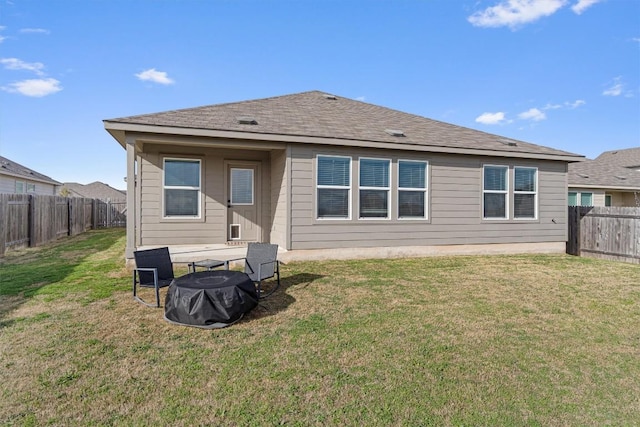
243 202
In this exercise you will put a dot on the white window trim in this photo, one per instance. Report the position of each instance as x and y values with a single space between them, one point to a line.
387 188
252 188
505 192
425 190
175 187
535 194
24 187
334 187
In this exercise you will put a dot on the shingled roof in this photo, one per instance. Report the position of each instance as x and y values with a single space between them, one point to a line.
317 117
616 169
96 190
9 167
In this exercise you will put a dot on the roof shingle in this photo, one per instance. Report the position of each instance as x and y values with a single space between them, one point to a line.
314 114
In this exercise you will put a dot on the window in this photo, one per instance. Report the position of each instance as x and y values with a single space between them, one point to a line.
495 192
241 186
374 188
586 199
607 200
525 193
182 188
333 183
412 189
573 199
21 187
31 187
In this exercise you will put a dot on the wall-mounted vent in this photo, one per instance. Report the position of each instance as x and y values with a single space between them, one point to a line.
246 120
394 132
508 142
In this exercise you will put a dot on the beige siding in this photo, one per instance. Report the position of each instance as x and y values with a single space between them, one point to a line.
211 228
8 185
455 204
279 178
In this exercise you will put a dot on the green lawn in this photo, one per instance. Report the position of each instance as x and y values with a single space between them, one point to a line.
487 340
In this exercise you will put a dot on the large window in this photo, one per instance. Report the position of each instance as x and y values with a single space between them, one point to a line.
333 187
374 188
412 189
495 203
182 188
525 191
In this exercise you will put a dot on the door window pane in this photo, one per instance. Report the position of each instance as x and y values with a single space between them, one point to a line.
241 186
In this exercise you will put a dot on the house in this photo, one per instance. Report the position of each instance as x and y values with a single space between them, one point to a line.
15 178
321 174
95 190
611 179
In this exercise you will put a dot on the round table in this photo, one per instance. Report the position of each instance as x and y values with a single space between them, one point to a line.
210 299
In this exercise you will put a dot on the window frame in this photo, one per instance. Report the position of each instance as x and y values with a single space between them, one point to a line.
425 190
333 187
505 192
165 187
582 194
534 193
387 188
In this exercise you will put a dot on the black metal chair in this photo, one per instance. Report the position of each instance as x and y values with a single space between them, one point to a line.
261 263
154 269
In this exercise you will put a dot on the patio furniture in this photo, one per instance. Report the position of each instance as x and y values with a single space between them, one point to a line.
209 264
261 263
210 299
154 269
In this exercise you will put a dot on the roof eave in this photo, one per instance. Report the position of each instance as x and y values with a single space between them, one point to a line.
604 187
119 129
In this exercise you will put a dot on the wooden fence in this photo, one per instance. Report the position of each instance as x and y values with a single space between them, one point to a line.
605 232
34 220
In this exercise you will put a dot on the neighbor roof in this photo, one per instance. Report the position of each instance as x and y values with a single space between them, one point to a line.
316 117
616 169
9 167
96 190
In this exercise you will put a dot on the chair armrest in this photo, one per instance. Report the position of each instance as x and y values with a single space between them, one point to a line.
151 270
227 262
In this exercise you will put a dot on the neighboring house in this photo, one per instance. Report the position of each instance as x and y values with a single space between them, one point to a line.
312 171
15 178
95 190
611 179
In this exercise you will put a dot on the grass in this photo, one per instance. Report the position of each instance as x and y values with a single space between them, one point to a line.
496 340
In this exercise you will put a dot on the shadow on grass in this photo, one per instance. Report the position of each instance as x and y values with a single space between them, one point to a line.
25 272
281 299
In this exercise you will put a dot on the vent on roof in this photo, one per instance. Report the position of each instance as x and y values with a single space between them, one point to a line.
508 142
583 175
620 177
394 132
246 120
329 96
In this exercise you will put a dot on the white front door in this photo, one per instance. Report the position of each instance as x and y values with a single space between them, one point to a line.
243 207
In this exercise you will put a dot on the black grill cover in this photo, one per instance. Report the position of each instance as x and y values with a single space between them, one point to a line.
210 299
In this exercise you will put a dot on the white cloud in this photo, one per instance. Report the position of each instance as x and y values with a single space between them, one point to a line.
155 76
636 39
34 31
18 64
575 104
532 114
514 13
615 89
492 118
34 87
583 5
